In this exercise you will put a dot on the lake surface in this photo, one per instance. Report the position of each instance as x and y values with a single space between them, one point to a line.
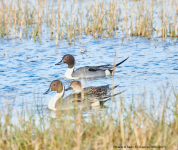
28 67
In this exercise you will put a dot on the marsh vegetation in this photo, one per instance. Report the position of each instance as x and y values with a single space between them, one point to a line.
134 126
133 123
29 19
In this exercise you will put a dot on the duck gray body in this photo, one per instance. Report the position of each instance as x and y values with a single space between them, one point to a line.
70 102
87 71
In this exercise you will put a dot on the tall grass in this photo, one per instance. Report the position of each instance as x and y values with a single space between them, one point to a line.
135 127
24 19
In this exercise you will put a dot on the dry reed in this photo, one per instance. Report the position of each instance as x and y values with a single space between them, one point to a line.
134 127
99 19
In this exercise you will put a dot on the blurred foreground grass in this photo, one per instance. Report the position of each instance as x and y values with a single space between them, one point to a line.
134 126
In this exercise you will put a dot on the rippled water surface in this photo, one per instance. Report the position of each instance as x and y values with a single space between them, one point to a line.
27 68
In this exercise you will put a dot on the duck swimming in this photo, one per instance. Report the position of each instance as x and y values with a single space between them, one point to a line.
87 71
93 93
94 96
69 102
57 86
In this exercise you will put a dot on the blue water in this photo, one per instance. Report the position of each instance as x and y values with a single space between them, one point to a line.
27 68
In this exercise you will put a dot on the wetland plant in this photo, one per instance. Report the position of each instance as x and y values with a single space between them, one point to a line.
71 20
132 125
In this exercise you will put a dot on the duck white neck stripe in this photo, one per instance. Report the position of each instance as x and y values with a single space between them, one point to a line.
52 102
69 72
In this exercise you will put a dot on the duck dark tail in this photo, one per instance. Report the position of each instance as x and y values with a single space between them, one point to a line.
118 93
111 70
121 62
105 99
112 88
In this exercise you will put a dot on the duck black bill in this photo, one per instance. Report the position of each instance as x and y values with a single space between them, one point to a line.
49 90
59 63
68 89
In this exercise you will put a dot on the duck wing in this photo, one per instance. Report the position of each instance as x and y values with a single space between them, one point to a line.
105 67
104 98
102 67
97 91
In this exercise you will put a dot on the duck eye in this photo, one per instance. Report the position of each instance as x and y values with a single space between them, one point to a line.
54 84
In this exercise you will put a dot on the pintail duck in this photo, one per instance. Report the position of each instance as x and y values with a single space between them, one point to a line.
87 71
70 102
93 93
57 86
94 96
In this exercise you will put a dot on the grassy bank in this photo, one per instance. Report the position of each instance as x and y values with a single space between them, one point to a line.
135 127
70 20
